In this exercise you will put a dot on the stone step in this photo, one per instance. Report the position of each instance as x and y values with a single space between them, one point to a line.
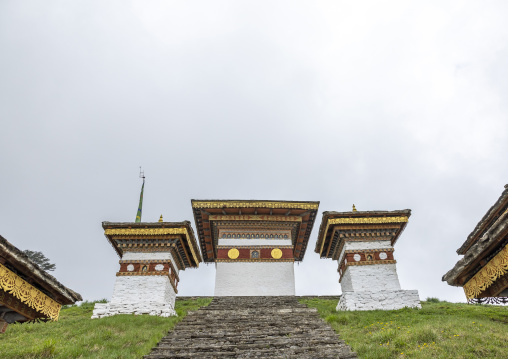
279 354
301 352
239 340
252 327
252 334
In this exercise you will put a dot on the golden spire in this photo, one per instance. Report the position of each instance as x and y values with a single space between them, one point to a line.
160 219
354 208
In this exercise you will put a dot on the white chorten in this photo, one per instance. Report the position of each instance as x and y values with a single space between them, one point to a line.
254 244
362 243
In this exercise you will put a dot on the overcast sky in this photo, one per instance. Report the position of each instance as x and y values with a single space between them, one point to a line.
387 105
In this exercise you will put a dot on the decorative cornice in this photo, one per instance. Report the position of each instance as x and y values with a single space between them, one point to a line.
256 260
369 250
219 217
257 204
362 220
153 232
366 263
143 231
486 276
28 294
369 220
134 274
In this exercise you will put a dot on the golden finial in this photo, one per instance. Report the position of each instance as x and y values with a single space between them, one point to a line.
160 219
354 208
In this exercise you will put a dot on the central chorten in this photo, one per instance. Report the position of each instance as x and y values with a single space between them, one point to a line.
254 244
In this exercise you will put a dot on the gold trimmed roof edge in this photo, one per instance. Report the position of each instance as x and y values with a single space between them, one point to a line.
28 294
357 220
495 268
201 204
154 232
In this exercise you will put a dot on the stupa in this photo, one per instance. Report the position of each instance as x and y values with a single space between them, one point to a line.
362 243
254 244
151 256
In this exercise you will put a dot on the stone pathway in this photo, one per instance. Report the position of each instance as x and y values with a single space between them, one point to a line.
252 327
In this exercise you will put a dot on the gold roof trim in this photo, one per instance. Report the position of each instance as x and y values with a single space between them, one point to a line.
495 268
28 294
256 204
368 220
361 220
152 232
219 217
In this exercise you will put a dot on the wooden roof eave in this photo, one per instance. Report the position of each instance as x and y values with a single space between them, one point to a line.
325 242
478 252
40 277
485 222
188 245
226 206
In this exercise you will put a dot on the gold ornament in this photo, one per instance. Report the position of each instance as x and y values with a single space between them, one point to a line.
276 253
255 218
369 220
233 253
495 268
152 232
26 293
239 204
361 220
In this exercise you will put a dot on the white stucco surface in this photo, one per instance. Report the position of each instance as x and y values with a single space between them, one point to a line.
102 310
152 295
384 299
253 242
254 278
364 245
373 278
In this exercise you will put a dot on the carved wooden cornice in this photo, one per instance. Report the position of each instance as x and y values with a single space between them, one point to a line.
495 268
11 283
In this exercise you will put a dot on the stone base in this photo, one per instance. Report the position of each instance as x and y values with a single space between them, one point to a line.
383 300
102 310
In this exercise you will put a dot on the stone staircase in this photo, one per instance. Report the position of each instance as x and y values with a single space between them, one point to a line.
252 327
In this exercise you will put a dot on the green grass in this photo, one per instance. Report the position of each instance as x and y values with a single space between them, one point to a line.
438 330
75 335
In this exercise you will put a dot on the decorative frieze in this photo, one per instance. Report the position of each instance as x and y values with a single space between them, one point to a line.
487 275
139 232
254 235
254 253
254 204
269 218
14 285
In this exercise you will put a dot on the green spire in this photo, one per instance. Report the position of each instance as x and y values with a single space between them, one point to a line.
140 207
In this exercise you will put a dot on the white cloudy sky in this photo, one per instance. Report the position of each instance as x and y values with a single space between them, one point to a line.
384 104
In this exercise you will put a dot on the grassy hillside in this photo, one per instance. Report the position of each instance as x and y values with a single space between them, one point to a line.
75 335
438 330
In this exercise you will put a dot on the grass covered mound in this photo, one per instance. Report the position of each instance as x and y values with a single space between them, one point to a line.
75 335
438 330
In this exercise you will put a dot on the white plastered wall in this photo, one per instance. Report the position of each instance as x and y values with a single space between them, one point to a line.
373 286
152 295
143 289
372 278
254 278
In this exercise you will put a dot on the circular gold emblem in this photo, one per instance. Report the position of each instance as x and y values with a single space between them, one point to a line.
276 253
233 253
